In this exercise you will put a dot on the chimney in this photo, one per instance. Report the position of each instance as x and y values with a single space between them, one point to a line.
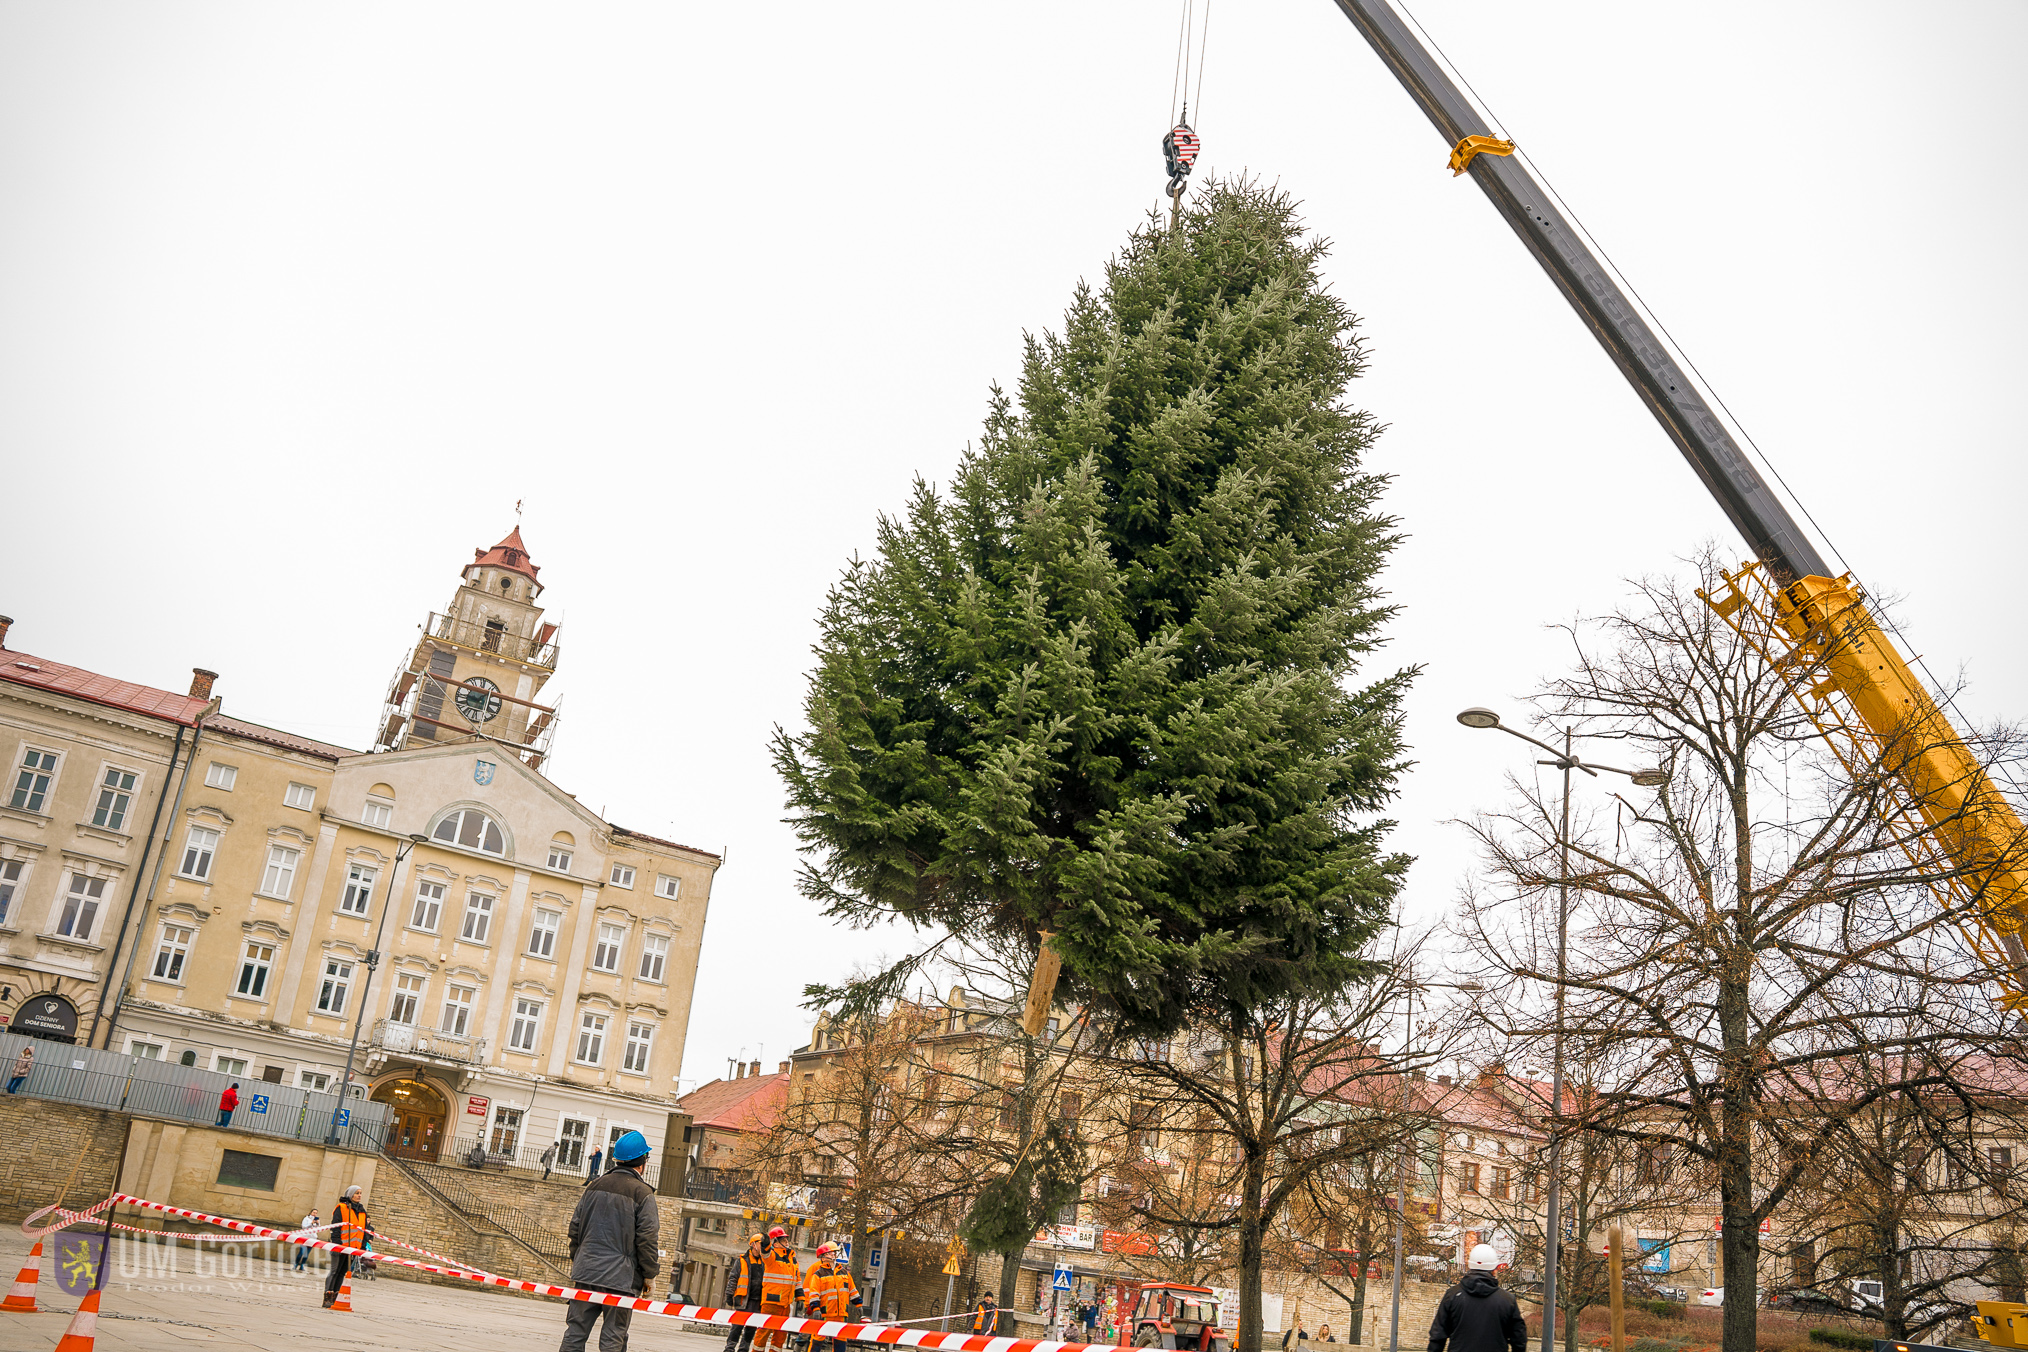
739 1071
1443 1079
6 622
754 1068
200 679
782 1069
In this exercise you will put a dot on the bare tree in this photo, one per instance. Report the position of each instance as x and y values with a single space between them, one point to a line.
1300 1086
1742 935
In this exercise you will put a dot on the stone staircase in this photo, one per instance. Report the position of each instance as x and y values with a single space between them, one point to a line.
471 1220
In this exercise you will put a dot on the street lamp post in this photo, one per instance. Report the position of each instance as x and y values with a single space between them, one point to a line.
1566 761
366 989
1401 1172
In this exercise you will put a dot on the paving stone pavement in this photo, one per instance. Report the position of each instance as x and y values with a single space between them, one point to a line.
245 1301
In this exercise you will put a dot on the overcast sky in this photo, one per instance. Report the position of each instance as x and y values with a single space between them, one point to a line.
297 301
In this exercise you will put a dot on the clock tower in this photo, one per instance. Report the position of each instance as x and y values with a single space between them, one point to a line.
480 663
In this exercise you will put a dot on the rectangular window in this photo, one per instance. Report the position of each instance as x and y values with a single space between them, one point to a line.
377 815
542 935
2000 1158
315 1080
280 874
527 1020
31 786
116 792
623 876
197 851
147 1051
408 993
559 859
337 982
81 907
429 905
667 886
640 1037
1468 1178
570 1139
299 795
1501 1182
591 1038
457 1010
10 884
218 776
230 1065
239 1169
359 881
506 1130
253 971
478 917
169 955
606 954
654 955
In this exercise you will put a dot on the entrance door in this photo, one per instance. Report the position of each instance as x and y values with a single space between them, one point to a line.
415 1127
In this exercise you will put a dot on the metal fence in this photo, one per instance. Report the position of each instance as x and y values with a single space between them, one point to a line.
478 1152
135 1084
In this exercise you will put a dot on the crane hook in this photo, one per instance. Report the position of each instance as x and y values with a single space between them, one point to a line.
1179 151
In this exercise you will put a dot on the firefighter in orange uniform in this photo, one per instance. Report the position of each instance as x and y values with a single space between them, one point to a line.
781 1285
829 1291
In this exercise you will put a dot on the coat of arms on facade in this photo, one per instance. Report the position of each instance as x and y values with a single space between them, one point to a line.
483 772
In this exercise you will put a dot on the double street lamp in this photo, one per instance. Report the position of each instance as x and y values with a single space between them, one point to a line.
1565 760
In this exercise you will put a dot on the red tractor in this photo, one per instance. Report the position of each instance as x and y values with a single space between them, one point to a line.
1174 1316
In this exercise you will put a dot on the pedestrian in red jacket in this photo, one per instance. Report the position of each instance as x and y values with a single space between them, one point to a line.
226 1103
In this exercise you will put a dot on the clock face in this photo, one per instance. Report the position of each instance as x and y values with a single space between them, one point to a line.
478 700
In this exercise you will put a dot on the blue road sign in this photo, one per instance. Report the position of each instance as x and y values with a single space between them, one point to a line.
845 1251
1062 1282
344 1117
260 1103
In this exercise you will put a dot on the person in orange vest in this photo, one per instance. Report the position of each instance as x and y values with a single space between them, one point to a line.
781 1285
986 1317
829 1291
743 1290
349 1226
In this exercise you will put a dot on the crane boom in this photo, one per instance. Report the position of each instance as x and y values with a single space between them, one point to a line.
1960 831
1729 476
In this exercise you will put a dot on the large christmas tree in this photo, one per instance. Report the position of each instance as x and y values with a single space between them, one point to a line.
1107 685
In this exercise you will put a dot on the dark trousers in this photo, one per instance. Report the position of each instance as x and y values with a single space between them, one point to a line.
302 1256
341 1264
583 1314
739 1338
14 1083
225 1117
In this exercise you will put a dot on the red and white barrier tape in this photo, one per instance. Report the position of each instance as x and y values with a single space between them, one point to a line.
703 1314
63 1218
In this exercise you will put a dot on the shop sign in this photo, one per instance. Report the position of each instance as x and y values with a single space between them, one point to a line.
476 1107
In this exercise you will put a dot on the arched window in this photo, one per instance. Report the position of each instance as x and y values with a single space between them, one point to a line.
472 829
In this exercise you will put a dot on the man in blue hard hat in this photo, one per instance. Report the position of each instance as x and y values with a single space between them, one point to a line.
614 1246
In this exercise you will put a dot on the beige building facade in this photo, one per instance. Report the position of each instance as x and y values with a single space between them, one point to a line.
518 971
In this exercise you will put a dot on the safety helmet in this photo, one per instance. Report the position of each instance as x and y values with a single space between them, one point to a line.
778 1233
826 1250
630 1147
756 1238
1485 1258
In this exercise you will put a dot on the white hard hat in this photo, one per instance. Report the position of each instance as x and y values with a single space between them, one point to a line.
1485 1258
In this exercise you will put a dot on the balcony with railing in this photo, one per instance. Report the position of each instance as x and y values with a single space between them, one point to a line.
493 637
427 1044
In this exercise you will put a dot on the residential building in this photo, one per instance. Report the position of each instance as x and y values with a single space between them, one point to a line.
516 970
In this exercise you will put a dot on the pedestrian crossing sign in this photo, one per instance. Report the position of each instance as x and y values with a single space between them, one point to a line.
1062 1282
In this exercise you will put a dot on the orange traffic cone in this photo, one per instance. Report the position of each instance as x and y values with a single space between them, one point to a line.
344 1301
21 1300
84 1326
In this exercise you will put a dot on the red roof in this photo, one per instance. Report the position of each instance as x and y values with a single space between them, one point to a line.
749 1104
287 741
55 677
510 554
657 840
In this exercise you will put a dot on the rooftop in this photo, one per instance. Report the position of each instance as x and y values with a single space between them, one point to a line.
287 741
57 678
510 554
657 840
747 1104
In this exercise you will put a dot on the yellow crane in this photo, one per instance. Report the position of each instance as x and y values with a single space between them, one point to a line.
1876 713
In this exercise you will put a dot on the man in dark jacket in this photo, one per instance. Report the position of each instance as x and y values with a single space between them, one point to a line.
614 1246
1476 1315
743 1281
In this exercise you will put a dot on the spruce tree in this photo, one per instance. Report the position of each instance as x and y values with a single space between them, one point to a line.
1106 685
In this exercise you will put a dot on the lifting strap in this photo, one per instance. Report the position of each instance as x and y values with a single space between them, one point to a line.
1469 149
